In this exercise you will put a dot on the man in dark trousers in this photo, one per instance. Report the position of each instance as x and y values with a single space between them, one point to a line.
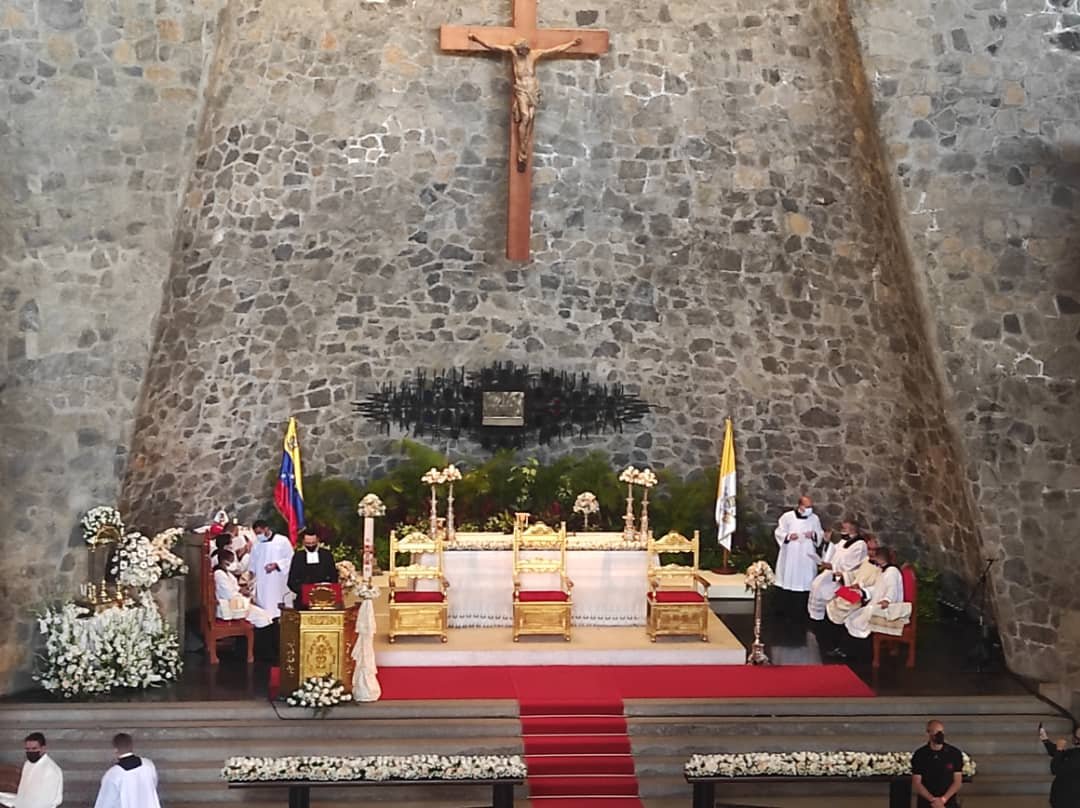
1065 766
312 564
937 770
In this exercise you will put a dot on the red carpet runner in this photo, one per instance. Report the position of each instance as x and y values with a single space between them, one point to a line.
576 747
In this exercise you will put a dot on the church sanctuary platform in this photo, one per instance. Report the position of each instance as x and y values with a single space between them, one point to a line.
589 645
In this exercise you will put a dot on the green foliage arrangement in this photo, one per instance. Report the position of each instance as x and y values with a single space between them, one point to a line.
488 495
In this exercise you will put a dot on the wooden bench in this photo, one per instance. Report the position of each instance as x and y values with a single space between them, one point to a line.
704 795
502 790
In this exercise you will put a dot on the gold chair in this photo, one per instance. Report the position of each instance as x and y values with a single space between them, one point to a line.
541 611
413 612
678 602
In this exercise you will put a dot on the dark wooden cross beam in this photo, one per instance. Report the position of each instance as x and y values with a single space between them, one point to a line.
560 41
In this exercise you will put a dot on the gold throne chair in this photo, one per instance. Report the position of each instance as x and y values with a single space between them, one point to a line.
417 612
678 603
541 611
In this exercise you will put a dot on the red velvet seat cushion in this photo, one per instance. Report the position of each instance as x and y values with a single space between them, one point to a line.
676 597
542 596
418 597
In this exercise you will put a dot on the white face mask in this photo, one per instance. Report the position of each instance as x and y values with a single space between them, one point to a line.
805 511
234 568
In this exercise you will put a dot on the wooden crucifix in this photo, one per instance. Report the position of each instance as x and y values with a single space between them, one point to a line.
526 45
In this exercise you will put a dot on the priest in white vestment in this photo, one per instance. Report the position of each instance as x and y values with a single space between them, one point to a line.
270 558
132 782
845 558
798 533
231 603
886 594
41 784
860 581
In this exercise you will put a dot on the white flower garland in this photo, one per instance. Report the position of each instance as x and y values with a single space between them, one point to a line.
135 563
319 693
374 768
120 647
97 518
759 575
807 764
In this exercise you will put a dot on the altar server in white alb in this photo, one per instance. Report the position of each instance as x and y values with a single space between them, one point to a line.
270 559
131 782
231 603
886 599
798 533
42 783
846 558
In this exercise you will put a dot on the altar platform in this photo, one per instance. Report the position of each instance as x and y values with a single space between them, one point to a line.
589 645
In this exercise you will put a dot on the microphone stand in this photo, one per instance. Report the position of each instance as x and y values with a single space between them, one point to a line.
982 655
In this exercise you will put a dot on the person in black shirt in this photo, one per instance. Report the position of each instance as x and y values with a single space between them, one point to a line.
311 564
1065 766
937 770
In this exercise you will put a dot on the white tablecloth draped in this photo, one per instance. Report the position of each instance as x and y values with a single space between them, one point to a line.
609 586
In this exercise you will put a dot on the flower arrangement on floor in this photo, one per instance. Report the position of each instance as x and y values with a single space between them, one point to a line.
807 764
89 653
320 693
759 576
374 768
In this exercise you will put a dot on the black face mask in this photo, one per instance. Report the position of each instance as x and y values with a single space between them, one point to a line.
33 757
938 738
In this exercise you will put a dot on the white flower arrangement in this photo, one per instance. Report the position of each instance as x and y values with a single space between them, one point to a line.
451 474
135 563
319 693
629 475
433 476
97 518
759 575
368 592
586 503
348 577
171 564
646 479
371 506
373 768
807 764
499 541
120 647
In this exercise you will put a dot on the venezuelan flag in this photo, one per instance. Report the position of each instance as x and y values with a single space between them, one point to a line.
289 491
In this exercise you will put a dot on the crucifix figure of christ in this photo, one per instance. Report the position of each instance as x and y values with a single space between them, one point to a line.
526 45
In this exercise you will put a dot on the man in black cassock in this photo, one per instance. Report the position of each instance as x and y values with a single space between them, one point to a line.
312 564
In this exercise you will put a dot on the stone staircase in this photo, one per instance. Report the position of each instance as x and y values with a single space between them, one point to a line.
189 741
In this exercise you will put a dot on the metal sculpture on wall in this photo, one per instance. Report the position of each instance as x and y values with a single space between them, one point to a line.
503 405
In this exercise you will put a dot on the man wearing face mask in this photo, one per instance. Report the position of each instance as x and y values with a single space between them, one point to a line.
845 560
798 533
1065 766
937 770
231 604
312 564
42 782
270 559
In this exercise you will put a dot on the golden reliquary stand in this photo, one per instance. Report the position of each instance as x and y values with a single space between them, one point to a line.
317 641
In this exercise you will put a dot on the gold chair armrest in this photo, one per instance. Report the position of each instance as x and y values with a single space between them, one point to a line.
701 579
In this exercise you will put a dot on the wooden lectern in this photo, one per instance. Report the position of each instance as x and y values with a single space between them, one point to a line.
316 642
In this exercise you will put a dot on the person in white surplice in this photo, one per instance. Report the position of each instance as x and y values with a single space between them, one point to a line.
888 590
846 558
798 533
132 782
42 783
231 605
270 559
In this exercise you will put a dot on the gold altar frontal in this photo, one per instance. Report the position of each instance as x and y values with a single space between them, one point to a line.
316 642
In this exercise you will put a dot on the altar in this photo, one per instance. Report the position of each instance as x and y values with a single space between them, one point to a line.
609 577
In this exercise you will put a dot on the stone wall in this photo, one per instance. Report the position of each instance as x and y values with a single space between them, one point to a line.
100 103
711 226
978 104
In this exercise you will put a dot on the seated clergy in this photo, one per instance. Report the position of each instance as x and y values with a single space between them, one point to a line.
231 604
311 564
853 592
887 592
845 558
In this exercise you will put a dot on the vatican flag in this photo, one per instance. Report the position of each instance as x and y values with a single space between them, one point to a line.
725 489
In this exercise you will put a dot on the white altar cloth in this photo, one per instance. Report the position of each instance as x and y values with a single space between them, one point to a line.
609 586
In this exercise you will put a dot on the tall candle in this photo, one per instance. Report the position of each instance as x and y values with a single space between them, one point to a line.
369 546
